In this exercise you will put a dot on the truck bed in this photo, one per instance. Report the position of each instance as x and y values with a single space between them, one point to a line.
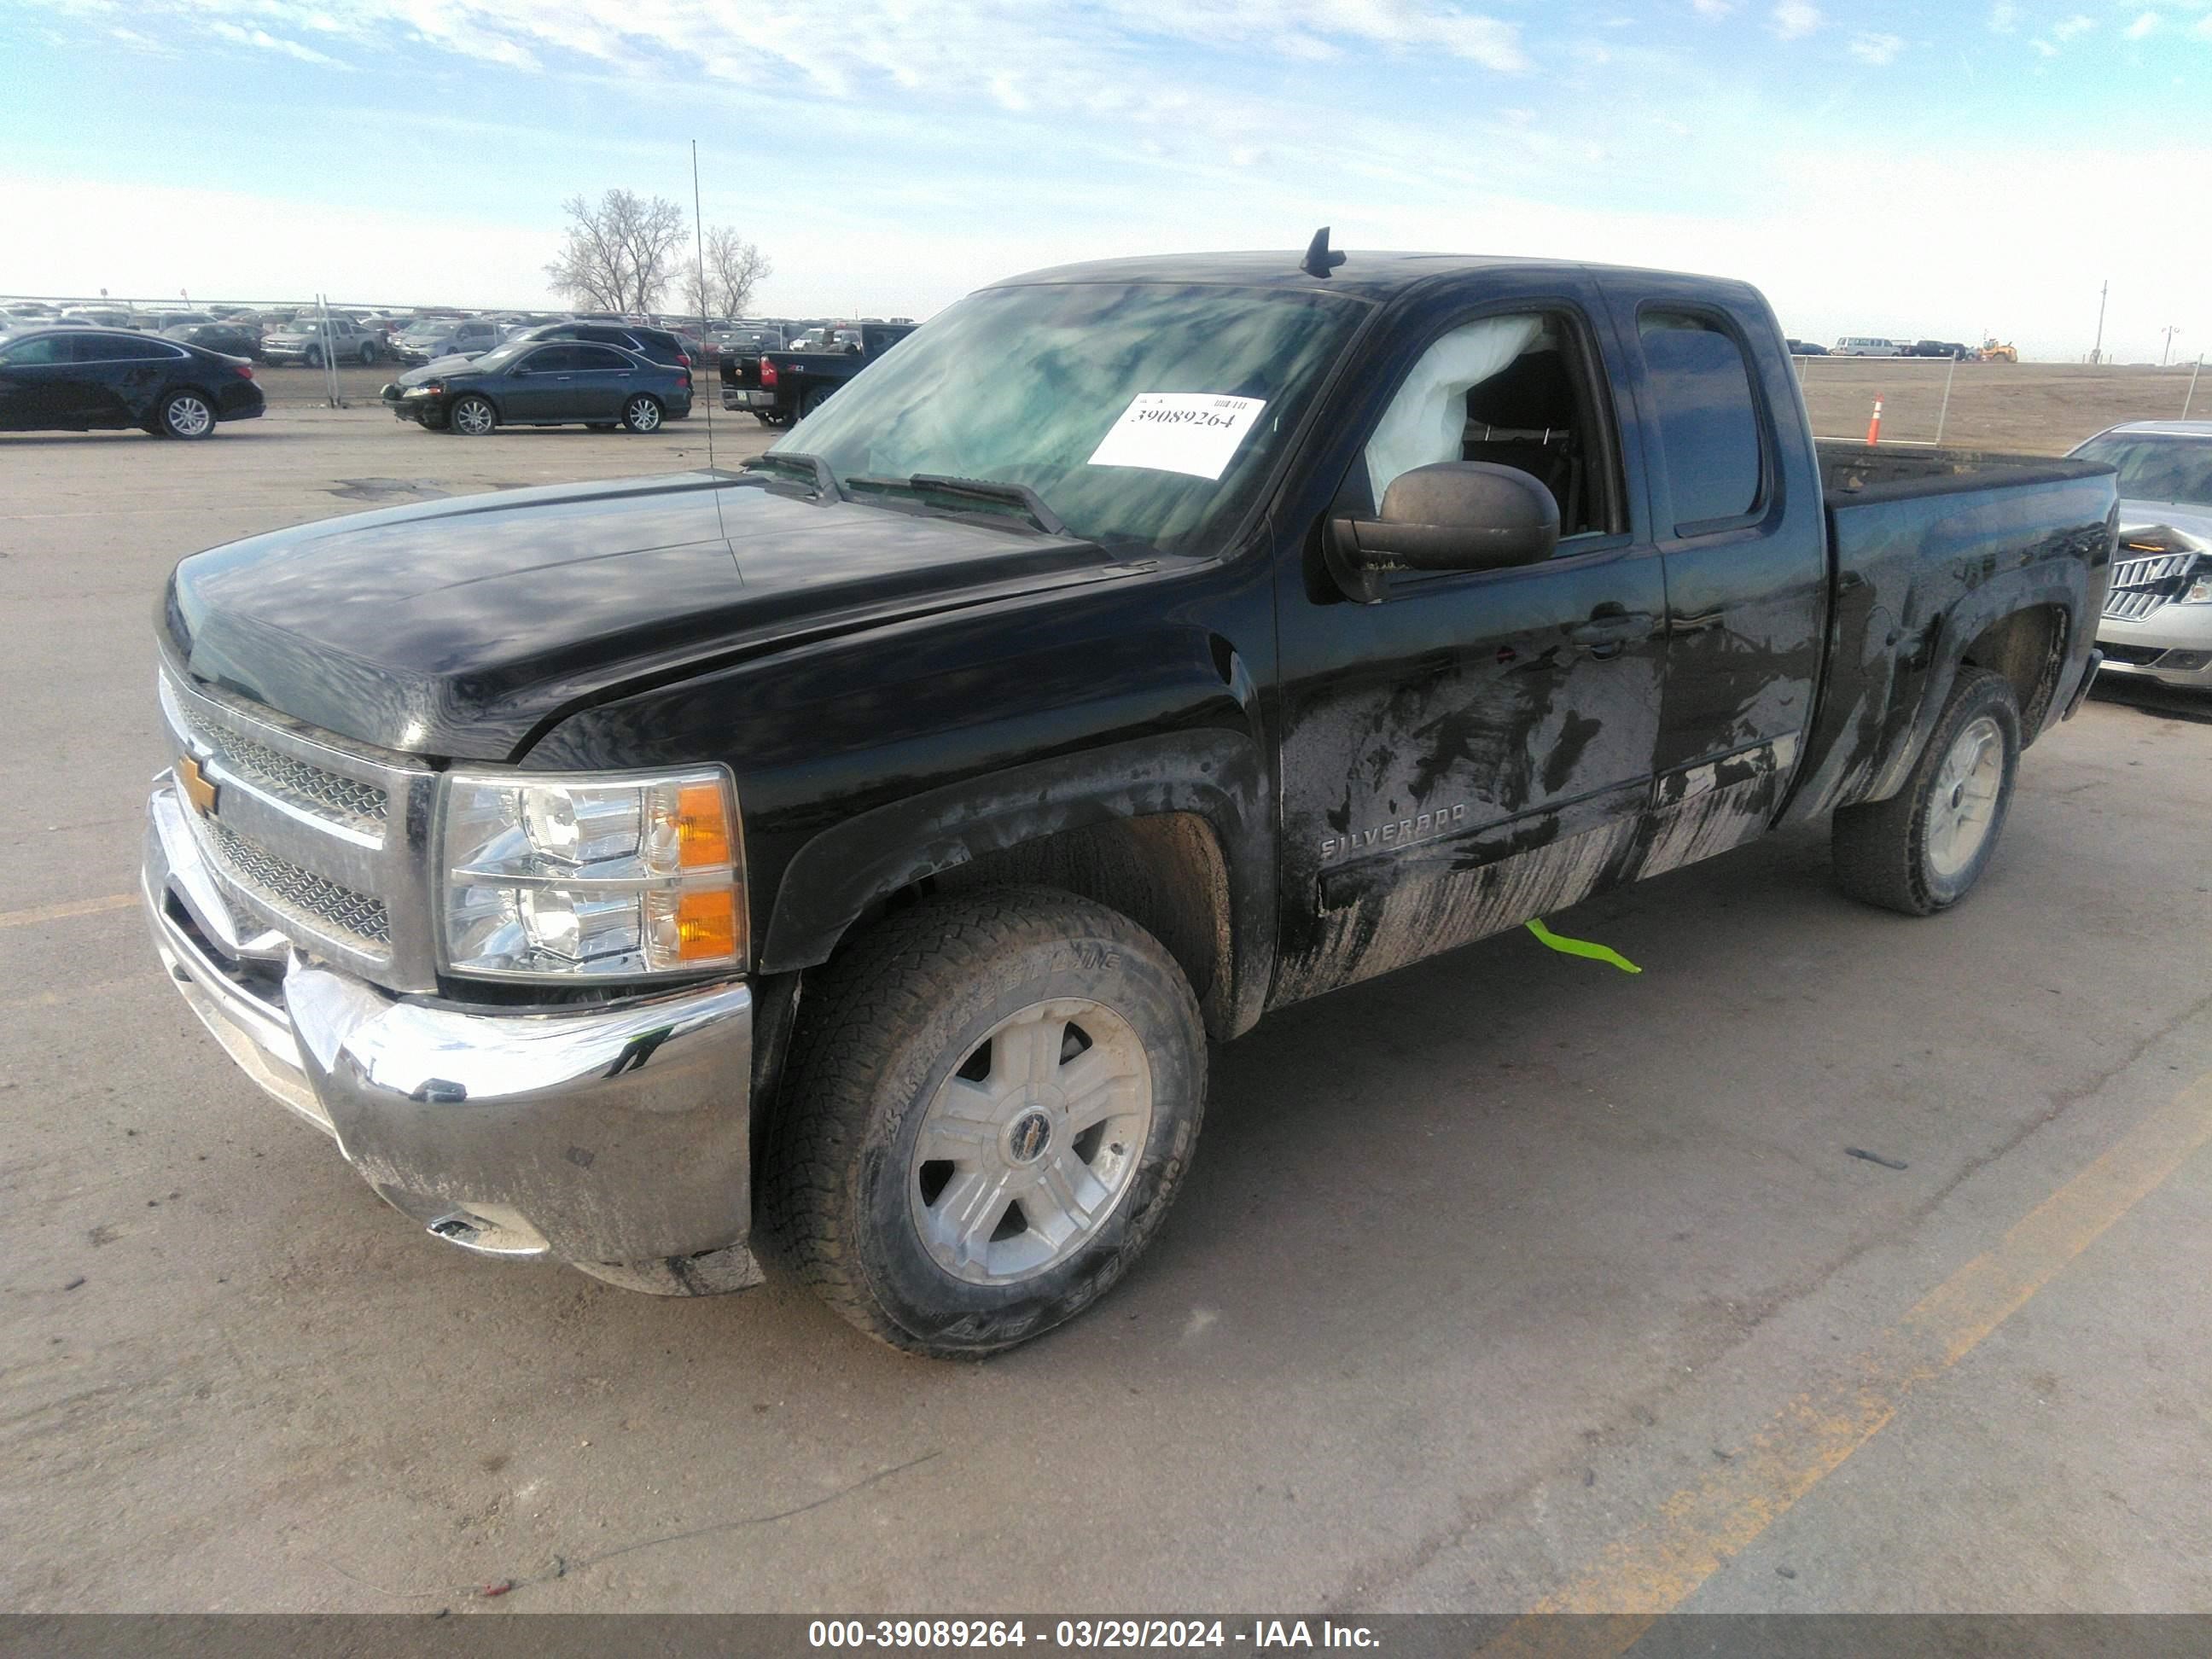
1928 546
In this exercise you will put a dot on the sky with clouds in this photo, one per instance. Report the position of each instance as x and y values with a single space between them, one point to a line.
1878 167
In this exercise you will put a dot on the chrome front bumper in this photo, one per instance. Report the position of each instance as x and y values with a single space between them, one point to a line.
616 1137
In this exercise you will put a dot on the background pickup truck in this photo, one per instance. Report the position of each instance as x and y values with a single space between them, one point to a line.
783 387
848 862
312 340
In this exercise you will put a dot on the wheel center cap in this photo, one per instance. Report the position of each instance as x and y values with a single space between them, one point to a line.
1028 1136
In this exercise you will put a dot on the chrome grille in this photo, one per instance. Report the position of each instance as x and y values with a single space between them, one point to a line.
314 835
2141 585
287 886
302 782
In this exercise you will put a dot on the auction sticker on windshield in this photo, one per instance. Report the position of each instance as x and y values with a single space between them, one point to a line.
1194 432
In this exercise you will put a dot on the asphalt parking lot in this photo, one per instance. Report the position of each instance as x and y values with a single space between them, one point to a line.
1509 1281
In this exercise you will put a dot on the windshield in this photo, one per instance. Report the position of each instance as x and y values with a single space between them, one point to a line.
2156 469
499 355
1147 411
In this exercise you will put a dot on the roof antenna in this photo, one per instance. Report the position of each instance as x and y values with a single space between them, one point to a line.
1319 261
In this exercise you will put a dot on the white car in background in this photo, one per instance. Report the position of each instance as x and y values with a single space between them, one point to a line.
2158 615
1867 345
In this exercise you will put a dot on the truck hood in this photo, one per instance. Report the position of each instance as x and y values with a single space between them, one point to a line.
458 628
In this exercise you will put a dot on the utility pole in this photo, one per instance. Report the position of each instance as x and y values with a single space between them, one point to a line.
2172 328
2097 351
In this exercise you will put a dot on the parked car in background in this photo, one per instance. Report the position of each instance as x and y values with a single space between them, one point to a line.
789 385
102 316
1805 349
1955 349
74 380
1866 345
2158 612
660 344
426 340
558 382
232 339
315 340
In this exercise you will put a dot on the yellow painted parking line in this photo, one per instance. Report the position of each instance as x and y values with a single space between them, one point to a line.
64 912
1655 1568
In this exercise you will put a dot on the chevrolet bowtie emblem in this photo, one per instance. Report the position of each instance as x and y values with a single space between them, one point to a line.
197 787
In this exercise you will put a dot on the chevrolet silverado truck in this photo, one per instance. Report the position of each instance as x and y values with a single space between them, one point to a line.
845 862
784 387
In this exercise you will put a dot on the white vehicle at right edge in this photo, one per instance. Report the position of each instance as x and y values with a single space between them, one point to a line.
2157 622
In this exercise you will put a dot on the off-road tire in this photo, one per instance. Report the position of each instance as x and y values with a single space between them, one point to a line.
1881 848
885 1026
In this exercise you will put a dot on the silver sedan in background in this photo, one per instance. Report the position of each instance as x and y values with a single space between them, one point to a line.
2158 618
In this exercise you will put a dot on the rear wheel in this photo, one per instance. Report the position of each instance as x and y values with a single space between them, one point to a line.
472 417
814 398
990 1110
1923 849
185 415
642 414
367 354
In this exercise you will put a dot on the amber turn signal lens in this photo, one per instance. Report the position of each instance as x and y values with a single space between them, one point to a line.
702 828
706 926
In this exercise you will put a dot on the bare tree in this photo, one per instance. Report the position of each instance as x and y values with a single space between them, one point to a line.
734 269
621 254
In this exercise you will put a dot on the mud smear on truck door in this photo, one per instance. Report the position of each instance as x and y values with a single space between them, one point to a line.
1456 761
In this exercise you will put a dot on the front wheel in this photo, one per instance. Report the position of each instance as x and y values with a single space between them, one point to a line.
1924 847
472 417
185 415
993 1101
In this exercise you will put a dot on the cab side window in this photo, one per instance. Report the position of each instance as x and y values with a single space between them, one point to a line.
1513 391
1709 426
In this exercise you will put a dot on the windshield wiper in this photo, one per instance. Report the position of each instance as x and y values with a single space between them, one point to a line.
816 471
1031 505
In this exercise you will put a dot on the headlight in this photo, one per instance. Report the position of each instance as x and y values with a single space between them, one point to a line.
2199 592
552 878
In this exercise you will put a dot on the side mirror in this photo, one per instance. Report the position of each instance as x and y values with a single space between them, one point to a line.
1453 515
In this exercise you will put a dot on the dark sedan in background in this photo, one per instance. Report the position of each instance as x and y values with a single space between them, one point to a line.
231 339
74 380
543 383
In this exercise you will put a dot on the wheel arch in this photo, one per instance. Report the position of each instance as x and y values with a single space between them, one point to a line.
1176 834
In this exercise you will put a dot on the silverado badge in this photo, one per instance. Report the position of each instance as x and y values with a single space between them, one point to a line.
198 788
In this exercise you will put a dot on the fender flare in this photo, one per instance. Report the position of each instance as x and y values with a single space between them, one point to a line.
1217 774
1954 630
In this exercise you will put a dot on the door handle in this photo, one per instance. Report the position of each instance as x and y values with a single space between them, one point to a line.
1610 630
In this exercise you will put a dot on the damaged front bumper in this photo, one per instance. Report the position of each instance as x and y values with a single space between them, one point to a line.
615 1137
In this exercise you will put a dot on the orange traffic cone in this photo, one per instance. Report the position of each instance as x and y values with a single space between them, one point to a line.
1874 426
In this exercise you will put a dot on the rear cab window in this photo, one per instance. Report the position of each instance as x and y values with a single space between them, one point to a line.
1711 435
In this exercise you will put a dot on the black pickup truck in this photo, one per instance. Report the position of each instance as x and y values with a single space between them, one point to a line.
847 861
784 387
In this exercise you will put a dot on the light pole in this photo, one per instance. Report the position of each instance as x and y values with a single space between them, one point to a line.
2097 351
2172 328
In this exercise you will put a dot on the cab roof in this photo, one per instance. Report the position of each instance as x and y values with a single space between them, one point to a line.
1365 275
